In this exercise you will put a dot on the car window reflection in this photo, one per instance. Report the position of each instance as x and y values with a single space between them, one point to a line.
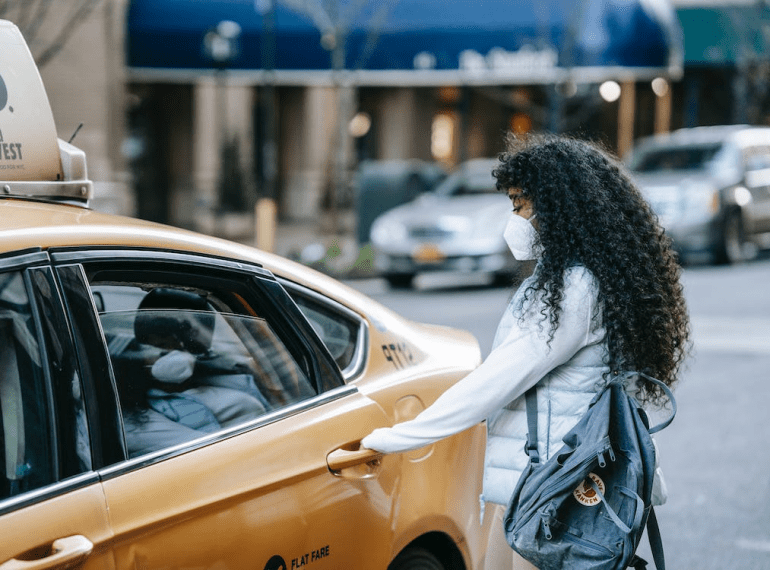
26 452
337 332
184 369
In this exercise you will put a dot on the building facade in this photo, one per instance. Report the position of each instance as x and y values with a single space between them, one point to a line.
200 148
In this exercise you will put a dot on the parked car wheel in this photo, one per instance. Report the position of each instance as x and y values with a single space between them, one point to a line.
733 246
400 280
503 279
416 558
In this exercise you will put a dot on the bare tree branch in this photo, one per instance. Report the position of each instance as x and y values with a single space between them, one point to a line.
375 29
79 15
312 9
7 7
31 32
354 9
25 8
33 15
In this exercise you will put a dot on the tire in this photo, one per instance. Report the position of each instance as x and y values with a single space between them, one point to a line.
503 279
416 558
732 247
400 280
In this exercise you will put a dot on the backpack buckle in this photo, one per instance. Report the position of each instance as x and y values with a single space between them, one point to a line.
531 448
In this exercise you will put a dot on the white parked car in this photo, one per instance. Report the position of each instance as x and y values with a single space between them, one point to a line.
457 227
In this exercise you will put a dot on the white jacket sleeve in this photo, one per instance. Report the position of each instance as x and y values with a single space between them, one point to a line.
515 365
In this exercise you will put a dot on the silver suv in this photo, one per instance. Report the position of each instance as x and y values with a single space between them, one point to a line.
710 186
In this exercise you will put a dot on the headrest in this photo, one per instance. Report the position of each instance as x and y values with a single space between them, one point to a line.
175 320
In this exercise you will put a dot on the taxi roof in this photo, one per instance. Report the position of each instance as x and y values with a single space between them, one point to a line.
31 223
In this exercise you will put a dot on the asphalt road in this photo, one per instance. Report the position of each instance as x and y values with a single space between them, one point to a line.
715 455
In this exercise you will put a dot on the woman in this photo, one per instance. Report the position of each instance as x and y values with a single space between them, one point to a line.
604 296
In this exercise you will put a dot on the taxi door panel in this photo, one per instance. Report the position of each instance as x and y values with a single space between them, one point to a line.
58 533
52 508
262 499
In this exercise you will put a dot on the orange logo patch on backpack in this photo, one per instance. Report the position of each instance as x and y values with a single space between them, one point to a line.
585 493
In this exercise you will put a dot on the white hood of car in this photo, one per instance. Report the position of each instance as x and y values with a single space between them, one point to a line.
670 179
471 224
438 210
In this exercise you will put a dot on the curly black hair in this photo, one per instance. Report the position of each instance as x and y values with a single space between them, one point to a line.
590 213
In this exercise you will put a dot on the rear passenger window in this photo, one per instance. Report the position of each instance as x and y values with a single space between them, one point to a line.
26 450
189 362
338 328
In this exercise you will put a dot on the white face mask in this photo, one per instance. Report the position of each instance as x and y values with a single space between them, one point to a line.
521 237
174 367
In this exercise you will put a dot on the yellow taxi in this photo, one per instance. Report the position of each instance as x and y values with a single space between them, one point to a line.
171 400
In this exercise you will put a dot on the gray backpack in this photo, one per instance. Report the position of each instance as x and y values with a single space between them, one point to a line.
587 506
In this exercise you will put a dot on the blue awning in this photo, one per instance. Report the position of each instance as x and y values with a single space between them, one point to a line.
413 42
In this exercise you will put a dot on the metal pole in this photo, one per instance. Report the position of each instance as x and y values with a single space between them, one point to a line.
626 112
663 112
266 209
221 45
221 102
556 108
337 185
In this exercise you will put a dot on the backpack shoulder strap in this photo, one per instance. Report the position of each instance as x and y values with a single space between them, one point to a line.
670 397
656 543
530 397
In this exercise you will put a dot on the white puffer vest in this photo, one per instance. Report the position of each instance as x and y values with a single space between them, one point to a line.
563 396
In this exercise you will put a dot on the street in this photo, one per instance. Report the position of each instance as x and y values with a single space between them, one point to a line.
714 455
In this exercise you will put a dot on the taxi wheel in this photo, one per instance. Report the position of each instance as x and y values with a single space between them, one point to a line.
416 558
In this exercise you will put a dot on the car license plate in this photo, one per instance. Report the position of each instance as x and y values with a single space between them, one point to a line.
428 253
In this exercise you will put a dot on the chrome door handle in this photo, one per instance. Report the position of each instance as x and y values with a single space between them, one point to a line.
340 459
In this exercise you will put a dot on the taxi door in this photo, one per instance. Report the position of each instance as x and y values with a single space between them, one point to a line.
262 499
285 490
53 513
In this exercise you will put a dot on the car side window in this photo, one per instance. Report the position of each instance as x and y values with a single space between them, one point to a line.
188 362
26 450
341 331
